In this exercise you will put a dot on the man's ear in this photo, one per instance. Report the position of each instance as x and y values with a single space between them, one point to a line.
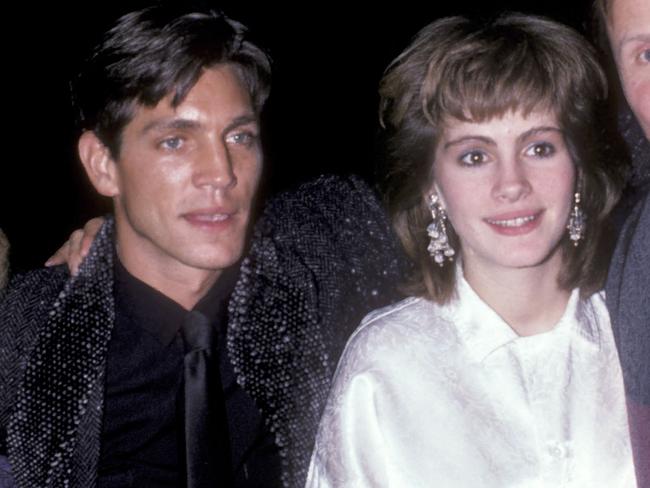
98 163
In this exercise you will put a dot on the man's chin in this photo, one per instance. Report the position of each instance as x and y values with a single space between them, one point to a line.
213 261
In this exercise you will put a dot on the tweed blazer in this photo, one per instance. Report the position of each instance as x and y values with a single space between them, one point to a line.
54 334
322 257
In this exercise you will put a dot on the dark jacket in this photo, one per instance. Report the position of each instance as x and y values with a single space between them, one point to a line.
628 301
628 291
54 335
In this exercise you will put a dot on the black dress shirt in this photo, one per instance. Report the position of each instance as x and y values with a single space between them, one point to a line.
142 433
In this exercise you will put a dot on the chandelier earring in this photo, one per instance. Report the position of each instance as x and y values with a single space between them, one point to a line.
439 247
576 225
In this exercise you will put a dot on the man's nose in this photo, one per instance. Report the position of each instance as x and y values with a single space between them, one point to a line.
214 168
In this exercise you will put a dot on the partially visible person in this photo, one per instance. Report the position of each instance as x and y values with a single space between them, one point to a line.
628 30
501 369
4 260
119 376
627 25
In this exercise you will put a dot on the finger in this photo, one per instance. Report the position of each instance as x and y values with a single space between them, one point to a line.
76 248
90 231
75 254
60 256
83 242
67 254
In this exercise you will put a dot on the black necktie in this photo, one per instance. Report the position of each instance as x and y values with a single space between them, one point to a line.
207 451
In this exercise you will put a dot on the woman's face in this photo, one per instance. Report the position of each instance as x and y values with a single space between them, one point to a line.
507 185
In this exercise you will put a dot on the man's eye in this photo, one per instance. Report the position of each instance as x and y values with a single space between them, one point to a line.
172 143
541 150
473 158
244 138
645 56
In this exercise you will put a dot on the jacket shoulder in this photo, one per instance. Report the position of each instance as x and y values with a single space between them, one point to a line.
29 291
23 307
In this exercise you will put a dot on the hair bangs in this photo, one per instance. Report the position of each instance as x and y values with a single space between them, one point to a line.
482 84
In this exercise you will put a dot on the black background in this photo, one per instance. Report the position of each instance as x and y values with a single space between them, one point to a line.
322 115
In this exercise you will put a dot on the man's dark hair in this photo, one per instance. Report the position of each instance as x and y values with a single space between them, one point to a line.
160 51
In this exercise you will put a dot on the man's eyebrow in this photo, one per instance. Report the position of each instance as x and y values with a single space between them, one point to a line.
249 118
166 124
162 125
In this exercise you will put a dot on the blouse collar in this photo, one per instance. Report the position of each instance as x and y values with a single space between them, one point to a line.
483 331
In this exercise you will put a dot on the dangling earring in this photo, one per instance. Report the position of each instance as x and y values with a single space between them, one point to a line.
576 225
439 247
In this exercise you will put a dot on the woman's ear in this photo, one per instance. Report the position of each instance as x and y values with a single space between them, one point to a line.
98 163
435 190
580 180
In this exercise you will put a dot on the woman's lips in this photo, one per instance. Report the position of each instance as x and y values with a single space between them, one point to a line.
515 223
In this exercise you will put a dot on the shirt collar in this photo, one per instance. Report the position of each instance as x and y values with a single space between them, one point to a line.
215 302
483 331
588 324
158 314
480 328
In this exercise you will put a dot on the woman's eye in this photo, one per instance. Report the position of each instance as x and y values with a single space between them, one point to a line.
541 150
473 158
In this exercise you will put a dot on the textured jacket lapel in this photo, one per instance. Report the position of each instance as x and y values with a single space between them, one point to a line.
53 434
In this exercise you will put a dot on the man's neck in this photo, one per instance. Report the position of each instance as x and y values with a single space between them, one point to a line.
185 285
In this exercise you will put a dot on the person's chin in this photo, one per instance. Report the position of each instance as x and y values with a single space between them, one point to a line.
210 257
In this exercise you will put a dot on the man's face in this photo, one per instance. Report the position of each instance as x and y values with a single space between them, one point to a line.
629 35
186 177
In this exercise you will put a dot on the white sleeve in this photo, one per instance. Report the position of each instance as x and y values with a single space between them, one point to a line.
350 447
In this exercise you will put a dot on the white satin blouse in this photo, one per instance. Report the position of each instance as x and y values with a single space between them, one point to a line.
450 396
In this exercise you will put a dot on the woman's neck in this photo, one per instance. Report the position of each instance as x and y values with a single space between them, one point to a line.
528 299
